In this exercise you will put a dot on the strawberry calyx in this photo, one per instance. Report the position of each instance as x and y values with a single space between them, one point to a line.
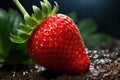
32 21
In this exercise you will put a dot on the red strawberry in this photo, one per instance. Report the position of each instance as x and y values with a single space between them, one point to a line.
53 40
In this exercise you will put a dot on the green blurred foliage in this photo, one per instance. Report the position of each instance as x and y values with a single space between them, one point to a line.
10 52
88 30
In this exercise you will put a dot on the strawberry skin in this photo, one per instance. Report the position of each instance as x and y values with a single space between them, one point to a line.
57 45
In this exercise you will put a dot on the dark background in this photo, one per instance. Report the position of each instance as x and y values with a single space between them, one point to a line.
105 12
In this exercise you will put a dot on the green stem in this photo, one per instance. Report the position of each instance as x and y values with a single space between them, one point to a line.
24 12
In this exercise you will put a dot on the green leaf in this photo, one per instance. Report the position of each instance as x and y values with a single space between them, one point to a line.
44 8
25 28
48 5
16 39
55 9
22 34
73 15
14 20
18 54
9 22
37 13
30 21
87 26
99 39
2 13
29 61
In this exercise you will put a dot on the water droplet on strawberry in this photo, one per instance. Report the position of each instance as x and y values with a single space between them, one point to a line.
41 44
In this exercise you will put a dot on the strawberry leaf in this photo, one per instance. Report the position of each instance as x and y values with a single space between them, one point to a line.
16 39
22 34
30 21
99 39
37 13
8 23
18 54
55 9
87 26
48 5
73 15
44 8
25 28
9 51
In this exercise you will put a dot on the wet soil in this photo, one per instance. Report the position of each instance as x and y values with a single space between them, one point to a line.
105 65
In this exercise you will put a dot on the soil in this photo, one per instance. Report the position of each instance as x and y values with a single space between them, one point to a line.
105 65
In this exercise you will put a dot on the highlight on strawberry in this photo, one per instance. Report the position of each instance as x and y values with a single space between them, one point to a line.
53 39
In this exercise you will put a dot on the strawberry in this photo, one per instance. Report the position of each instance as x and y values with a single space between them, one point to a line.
53 40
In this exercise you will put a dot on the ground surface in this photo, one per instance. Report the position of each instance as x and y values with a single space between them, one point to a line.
105 65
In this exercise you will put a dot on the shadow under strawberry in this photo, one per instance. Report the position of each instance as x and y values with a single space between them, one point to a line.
48 74
53 75
15 67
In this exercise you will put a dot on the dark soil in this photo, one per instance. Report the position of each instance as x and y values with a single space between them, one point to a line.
105 65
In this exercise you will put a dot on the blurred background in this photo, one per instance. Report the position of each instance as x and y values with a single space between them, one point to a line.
106 13
98 21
